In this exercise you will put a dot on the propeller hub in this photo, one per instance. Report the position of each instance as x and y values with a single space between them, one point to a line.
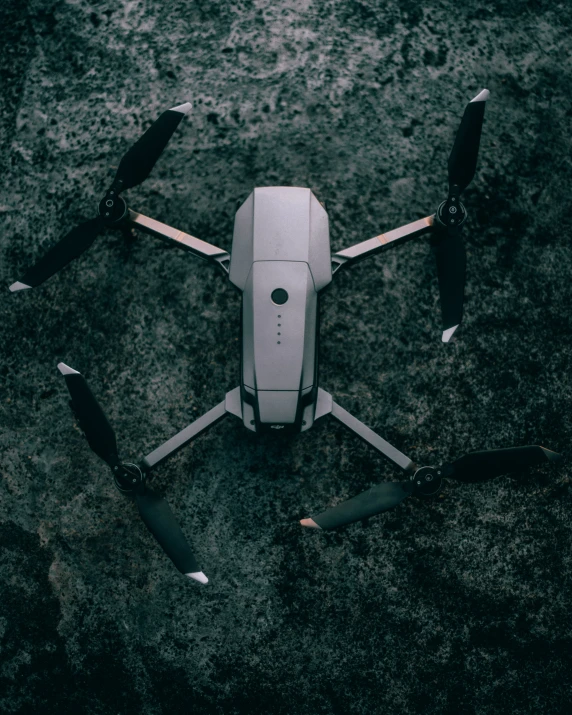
127 477
112 208
451 213
427 481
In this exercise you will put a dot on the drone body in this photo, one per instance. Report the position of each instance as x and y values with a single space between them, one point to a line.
280 262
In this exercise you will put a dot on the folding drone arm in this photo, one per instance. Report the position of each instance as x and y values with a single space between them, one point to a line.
448 246
230 405
171 235
377 498
113 212
380 243
420 481
326 406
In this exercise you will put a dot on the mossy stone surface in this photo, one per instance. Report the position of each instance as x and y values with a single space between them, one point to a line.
456 605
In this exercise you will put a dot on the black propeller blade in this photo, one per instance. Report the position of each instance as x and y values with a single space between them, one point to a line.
161 522
482 466
92 420
137 162
447 242
134 168
154 509
451 258
374 501
463 157
475 466
72 245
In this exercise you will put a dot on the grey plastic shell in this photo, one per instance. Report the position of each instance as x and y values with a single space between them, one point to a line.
281 241
281 223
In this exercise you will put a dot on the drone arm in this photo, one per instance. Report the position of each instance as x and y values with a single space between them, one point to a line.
380 243
171 235
373 439
226 407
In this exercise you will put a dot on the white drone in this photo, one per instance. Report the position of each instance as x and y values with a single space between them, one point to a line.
280 262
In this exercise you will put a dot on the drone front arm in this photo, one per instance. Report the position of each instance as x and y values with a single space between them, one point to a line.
380 243
171 235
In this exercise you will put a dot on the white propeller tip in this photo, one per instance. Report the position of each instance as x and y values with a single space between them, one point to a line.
482 96
448 334
182 108
310 522
19 286
66 370
198 576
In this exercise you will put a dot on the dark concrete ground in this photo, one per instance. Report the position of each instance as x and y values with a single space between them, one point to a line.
457 605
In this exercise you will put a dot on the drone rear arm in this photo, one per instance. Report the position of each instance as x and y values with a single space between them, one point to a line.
171 235
326 406
380 243
229 406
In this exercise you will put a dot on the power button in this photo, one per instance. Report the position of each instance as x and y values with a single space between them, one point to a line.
279 296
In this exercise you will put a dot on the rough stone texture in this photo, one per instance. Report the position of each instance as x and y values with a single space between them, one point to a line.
456 605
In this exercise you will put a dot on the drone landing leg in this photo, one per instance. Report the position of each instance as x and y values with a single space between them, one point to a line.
224 408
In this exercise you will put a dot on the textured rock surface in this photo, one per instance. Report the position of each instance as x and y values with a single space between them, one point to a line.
457 605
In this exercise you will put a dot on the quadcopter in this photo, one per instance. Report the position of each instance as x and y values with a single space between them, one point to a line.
280 263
